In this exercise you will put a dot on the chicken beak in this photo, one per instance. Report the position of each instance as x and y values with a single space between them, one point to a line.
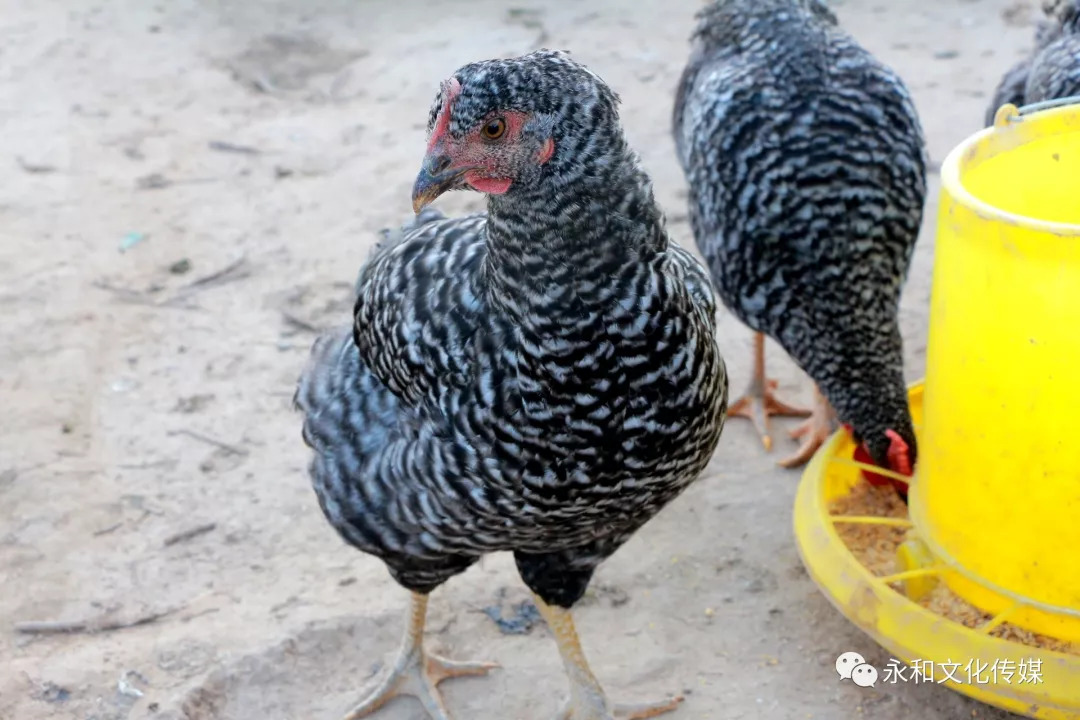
436 177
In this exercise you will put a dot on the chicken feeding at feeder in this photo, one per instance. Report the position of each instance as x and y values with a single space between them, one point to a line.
807 177
974 565
541 379
1052 70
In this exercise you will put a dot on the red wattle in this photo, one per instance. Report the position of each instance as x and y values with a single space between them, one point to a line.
898 455
862 456
492 186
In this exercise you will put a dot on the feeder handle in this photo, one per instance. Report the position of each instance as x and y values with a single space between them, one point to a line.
1009 113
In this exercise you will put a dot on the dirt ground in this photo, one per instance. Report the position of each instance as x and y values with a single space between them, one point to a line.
186 192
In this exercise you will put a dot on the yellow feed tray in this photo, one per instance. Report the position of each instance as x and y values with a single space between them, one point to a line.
994 524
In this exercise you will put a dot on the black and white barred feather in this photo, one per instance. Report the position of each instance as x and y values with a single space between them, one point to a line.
806 168
542 378
1052 70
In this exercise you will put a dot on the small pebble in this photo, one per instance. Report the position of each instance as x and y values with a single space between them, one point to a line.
180 266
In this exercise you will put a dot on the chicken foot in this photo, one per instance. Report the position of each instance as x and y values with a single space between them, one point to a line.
587 698
417 672
759 403
814 431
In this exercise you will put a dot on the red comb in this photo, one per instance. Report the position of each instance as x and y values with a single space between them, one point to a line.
453 89
899 453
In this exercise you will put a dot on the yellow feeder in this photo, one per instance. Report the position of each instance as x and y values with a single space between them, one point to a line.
995 505
1000 480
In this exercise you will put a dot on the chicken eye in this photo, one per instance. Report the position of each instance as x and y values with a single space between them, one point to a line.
494 129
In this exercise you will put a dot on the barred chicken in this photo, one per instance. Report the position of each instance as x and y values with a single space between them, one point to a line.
1052 70
542 378
806 166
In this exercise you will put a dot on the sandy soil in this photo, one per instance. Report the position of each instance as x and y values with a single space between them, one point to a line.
187 191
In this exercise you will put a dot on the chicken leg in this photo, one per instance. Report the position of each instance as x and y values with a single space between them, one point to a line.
815 430
416 671
759 403
587 699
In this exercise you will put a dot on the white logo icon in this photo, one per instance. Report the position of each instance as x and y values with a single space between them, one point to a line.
847 662
864 675
853 666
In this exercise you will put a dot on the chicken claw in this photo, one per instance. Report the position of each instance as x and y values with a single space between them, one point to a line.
759 403
587 698
815 430
418 672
